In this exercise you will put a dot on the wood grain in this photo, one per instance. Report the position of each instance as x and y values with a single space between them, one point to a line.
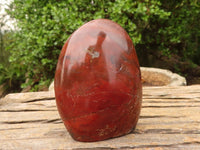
170 118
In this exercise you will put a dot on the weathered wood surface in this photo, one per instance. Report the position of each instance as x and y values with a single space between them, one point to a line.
170 118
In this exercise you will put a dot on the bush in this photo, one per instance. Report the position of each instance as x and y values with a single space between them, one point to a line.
155 26
11 76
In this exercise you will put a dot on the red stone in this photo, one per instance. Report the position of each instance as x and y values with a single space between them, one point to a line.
98 82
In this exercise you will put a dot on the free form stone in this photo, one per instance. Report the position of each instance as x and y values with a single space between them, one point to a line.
98 82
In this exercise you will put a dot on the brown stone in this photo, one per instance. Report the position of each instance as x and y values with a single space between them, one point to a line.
161 77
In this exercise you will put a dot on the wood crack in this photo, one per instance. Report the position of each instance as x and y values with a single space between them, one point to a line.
171 98
142 146
27 110
41 99
12 129
163 145
33 121
95 148
165 131
174 102
170 106
158 116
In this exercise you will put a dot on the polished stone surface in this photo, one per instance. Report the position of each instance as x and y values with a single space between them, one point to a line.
98 82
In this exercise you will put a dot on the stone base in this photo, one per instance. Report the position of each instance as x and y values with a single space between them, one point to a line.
161 77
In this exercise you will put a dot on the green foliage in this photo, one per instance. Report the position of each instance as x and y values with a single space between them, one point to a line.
11 78
4 41
43 27
42 31
137 17
182 31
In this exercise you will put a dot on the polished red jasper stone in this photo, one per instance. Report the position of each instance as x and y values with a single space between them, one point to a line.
98 82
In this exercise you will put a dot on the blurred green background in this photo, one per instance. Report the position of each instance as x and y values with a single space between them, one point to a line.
166 34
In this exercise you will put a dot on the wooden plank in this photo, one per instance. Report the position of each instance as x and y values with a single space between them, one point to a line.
28 97
170 118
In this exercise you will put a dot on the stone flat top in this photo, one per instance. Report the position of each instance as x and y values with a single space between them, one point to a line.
170 118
